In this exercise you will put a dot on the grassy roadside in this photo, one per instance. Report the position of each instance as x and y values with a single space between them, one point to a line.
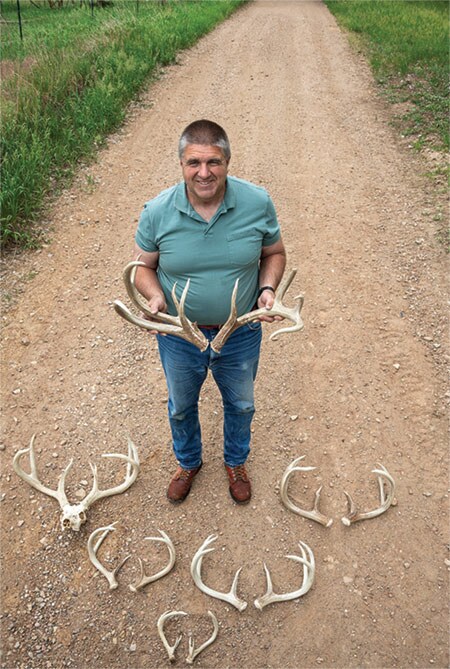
69 86
407 44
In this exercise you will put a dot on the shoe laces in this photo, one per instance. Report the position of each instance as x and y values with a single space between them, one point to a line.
185 474
239 473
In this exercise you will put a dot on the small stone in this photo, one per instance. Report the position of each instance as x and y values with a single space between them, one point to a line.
396 365
80 494
347 580
133 648
406 565
20 523
293 417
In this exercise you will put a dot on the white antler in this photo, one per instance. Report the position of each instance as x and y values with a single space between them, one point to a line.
308 562
192 652
132 471
196 566
145 580
93 547
180 325
74 515
315 514
386 501
278 309
161 620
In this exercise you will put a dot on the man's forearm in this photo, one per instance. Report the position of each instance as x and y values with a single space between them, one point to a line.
271 269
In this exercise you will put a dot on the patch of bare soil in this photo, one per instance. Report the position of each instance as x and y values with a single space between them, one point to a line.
362 384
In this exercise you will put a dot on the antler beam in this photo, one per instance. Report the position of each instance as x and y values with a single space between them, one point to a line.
192 652
93 547
196 566
278 309
160 625
145 580
386 501
180 325
308 562
315 514
74 515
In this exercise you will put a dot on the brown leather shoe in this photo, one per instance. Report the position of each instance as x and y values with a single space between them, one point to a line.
240 488
180 484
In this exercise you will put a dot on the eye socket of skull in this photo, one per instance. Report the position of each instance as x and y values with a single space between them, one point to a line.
82 516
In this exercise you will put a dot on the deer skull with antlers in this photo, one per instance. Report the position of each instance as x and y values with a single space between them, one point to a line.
74 515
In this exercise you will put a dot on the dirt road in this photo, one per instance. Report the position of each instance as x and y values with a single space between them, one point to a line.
362 384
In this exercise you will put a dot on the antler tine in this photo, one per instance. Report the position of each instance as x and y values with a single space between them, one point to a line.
193 653
133 467
160 625
145 580
353 515
33 478
278 309
315 514
180 325
308 562
93 547
196 566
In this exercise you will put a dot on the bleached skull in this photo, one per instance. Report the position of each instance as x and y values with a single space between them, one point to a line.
73 516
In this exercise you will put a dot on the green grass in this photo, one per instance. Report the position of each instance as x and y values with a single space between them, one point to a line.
407 43
69 83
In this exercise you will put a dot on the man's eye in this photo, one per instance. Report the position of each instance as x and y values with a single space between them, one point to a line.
193 163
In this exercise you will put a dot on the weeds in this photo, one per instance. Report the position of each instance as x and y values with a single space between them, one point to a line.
407 42
70 86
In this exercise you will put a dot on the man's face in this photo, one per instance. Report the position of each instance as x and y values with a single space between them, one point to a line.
205 172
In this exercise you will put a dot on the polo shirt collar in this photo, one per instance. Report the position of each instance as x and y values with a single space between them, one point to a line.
182 203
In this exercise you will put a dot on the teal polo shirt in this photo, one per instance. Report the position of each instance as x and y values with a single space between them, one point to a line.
211 254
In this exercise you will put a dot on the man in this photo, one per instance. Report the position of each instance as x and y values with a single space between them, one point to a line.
212 229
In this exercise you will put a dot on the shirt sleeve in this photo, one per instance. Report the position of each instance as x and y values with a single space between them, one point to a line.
272 233
145 233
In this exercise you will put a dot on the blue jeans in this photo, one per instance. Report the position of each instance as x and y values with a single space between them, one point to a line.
234 371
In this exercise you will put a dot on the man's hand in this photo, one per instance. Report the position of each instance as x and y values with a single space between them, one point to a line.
265 301
156 303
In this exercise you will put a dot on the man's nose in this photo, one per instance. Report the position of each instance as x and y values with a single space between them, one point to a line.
203 170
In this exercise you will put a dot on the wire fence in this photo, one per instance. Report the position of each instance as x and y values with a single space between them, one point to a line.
19 16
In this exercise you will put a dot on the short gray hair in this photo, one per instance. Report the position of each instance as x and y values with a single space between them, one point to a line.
206 133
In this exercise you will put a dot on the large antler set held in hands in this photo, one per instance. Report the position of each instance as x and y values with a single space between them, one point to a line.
182 327
74 515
